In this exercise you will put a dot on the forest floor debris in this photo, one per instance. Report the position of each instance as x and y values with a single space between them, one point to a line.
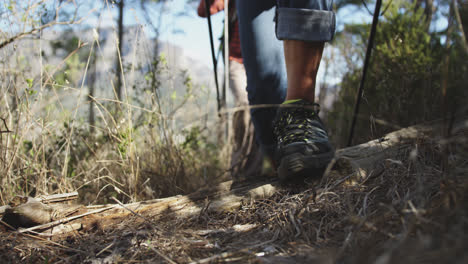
413 210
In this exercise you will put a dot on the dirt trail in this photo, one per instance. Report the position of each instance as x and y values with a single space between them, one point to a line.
401 198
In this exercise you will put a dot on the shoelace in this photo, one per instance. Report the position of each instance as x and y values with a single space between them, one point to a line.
299 124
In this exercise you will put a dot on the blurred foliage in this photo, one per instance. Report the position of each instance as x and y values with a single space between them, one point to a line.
404 83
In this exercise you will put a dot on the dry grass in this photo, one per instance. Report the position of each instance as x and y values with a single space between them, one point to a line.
145 146
414 211
54 154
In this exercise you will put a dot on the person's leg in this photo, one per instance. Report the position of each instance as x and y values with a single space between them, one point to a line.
302 63
303 145
264 63
305 26
238 83
246 158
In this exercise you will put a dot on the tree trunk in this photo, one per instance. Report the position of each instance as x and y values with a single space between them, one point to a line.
429 10
456 12
445 69
119 51
92 83
463 12
14 95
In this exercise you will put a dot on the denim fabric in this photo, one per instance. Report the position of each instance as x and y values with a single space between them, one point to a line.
308 20
263 55
264 63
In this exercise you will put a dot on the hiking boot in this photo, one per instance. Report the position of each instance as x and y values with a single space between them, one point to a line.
303 148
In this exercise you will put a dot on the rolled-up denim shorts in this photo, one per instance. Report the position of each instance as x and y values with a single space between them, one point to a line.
262 51
308 20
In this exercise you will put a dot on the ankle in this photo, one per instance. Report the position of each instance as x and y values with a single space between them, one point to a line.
308 96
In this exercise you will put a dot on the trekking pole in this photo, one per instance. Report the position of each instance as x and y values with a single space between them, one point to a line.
226 52
226 65
213 56
364 70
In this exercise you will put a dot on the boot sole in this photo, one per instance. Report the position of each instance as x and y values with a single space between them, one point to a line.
298 165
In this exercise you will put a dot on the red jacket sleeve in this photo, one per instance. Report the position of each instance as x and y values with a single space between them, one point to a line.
215 7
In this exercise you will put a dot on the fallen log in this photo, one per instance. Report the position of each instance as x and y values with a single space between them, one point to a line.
361 161
219 199
61 221
45 199
368 158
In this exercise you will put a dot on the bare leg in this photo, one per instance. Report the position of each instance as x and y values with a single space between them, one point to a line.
302 63
303 146
246 158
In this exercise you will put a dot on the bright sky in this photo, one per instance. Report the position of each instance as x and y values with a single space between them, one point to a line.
195 37
191 32
188 30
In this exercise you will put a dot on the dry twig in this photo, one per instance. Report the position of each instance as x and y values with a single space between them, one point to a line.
61 221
